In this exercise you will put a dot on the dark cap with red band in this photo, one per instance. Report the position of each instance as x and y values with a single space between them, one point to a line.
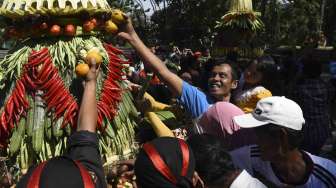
165 162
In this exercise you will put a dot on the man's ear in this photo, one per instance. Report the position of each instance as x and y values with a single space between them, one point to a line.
234 84
284 145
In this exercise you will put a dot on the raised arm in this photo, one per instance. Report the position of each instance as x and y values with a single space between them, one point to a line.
172 80
87 118
160 129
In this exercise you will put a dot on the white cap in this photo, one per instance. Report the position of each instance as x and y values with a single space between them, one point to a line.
276 110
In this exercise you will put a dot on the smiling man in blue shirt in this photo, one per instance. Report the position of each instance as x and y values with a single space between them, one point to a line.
222 79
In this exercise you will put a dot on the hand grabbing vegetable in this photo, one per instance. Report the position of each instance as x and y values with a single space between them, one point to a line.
93 72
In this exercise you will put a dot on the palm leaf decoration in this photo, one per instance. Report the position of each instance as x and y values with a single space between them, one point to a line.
242 17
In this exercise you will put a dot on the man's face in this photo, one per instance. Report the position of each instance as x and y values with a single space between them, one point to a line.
269 144
220 82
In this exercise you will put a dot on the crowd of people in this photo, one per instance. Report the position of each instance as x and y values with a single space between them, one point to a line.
253 128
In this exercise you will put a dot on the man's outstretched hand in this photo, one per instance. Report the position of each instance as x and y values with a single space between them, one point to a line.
127 31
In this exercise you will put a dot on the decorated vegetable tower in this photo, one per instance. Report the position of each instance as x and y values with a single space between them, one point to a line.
239 25
40 84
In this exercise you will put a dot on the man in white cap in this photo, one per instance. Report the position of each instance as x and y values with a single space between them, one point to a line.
277 122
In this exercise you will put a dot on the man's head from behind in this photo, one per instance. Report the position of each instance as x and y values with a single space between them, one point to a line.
223 77
277 122
165 162
213 162
57 172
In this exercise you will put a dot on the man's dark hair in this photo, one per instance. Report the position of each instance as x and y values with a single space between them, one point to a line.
213 162
294 137
271 74
211 63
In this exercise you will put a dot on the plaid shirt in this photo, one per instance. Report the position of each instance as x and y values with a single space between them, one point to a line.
314 97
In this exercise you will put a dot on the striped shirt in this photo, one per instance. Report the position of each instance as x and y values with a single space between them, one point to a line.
322 172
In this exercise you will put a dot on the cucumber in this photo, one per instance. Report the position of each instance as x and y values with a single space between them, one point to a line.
18 134
30 117
38 127
56 129
47 127
68 130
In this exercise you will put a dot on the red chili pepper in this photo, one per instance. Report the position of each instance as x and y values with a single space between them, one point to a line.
25 103
10 106
53 100
53 104
107 112
32 73
105 99
103 111
46 73
20 87
20 94
111 83
68 114
115 70
37 61
47 84
59 105
54 90
100 121
15 99
114 76
111 48
45 67
117 61
29 82
38 53
59 111
114 96
63 100
3 119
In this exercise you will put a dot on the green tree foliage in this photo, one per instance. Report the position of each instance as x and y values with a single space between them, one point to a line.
185 23
291 22
287 22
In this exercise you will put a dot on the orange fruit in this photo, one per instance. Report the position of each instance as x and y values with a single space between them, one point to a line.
118 17
111 27
93 54
82 69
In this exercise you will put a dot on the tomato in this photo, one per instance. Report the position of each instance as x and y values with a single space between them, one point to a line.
88 26
94 21
44 26
55 30
70 30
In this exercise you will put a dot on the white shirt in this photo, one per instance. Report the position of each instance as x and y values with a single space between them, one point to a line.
245 180
323 173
